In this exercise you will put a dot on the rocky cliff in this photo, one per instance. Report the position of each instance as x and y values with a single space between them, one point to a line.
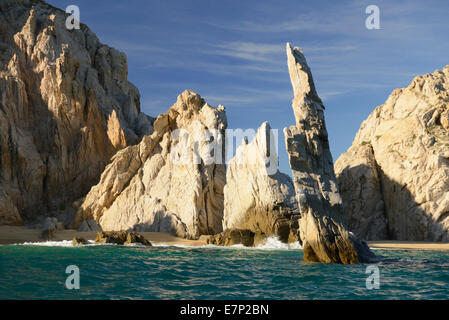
394 178
257 196
172 181
322 229
66 107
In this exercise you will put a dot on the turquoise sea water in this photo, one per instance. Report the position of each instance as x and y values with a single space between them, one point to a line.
118 272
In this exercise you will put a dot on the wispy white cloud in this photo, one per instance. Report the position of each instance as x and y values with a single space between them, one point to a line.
337 19
252 26
329 49
325 95
251 51
244 69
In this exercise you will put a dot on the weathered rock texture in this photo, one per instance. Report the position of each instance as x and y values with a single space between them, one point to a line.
78 241
394 178
322 230
65 108
235 236
172 181
120 237
360 185
89 225
257 196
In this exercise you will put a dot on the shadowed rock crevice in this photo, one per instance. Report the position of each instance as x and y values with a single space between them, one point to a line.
369 225
361 188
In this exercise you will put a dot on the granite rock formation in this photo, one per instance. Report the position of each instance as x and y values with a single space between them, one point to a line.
121 237
394 178
237 236
257 196
66 107
360 186
89 225
322 229
49 227
78 241
172 181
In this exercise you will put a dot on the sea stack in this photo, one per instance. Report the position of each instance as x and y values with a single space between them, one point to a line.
322 229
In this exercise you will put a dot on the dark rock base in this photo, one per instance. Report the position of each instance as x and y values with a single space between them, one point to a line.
121 237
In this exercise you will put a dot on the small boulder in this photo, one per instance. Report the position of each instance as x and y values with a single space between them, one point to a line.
49 223
233 236
117 237
49 228
134 237
121 237
78 241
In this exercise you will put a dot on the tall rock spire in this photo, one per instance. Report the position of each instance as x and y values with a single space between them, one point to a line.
323 234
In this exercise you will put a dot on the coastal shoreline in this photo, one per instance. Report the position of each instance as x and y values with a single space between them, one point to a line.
20 234
409 245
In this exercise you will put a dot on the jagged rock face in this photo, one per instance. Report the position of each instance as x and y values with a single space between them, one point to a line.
66 108
172 181
89 225
407 194
323 233
257 196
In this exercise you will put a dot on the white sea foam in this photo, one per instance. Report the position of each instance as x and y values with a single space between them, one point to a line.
271 243
63 243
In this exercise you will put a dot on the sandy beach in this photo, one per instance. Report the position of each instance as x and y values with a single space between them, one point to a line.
390 244
13 234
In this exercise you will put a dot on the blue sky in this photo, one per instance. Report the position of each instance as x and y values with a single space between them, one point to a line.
233 53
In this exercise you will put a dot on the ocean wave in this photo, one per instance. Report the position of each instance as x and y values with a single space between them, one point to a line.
270 243
62 243
273 243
